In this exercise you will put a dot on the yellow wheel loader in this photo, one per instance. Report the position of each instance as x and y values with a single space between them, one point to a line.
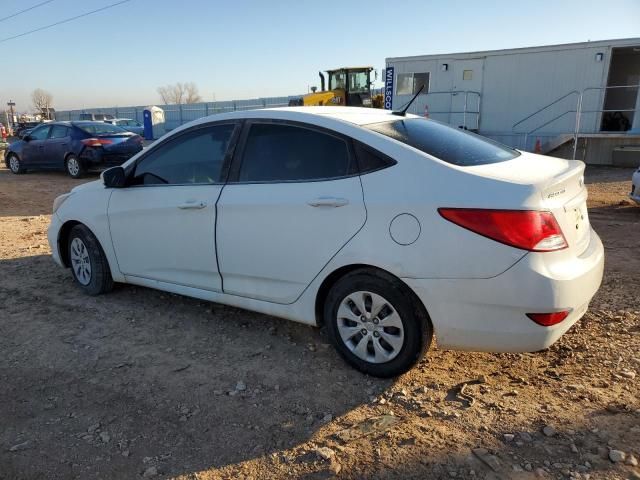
350 86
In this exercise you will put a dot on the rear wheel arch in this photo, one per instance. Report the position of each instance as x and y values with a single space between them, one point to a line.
331 279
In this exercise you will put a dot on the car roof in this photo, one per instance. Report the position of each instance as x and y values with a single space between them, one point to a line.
353 115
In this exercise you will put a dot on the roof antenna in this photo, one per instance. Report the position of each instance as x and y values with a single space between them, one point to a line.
403 111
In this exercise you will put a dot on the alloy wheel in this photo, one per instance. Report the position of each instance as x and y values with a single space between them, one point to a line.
370 327
14 164
80 261
73 166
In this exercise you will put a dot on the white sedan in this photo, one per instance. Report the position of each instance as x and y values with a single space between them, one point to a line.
386 229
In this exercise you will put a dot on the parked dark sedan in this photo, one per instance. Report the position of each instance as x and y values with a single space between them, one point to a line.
72 146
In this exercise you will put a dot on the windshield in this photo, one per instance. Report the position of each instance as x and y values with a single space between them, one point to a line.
101 128
446 143
358 82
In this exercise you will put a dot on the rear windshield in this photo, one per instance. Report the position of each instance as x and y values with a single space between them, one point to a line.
449 144
101 128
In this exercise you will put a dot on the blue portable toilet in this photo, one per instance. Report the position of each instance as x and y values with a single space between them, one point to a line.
153 121
147 121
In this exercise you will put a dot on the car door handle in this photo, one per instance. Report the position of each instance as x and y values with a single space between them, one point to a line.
328 202
192 205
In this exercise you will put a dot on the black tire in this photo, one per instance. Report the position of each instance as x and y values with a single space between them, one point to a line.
74 166
100 280
418 331
12 161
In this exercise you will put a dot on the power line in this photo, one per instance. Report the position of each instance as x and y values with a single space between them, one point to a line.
64 21
25 10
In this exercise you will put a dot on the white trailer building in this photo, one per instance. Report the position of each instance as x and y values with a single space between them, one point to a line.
577 99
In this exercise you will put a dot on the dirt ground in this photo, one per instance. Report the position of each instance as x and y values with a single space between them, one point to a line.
140 383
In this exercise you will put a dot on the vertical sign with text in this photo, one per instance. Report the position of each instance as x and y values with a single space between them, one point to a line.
388 88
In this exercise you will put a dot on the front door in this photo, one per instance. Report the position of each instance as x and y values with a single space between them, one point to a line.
292 203
467 77
33 151
163 225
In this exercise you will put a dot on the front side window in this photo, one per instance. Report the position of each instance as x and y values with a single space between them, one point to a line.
446 143
59 131
195 157
40 133
286 153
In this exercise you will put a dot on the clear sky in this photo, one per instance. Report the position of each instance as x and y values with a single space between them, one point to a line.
249 48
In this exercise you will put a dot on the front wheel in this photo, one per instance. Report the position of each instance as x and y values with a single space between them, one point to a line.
88 262
74 167
376 323
15 165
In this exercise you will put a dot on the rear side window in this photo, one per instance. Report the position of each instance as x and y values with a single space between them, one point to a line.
287 153
193 158
449 144
370 160
59 131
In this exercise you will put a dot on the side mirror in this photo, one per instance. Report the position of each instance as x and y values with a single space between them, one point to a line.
114 177
27 138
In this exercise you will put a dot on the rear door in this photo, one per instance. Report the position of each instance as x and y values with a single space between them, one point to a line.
33 151
293 201
57 146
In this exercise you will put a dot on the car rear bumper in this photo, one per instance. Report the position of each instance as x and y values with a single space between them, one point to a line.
52 235
97 159
490 314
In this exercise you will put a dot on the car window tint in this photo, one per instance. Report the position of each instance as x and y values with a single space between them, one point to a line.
59 131
285 153
446 143
194 157
370 160
40 133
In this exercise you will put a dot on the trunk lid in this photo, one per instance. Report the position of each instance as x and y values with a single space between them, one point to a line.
560 184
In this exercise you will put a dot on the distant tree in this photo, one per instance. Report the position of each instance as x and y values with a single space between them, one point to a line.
42 101
180 93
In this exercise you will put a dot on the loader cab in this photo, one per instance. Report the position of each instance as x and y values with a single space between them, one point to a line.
356 84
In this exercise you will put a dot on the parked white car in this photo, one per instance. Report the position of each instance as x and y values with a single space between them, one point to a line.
385 229
635 186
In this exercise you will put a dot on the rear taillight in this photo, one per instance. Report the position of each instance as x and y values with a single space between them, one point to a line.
548 319
526 229
96 142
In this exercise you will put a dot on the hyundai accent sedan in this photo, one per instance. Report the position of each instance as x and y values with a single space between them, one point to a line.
385 229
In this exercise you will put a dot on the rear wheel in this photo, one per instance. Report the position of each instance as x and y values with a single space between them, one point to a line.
88 262
376 323
74 166
15 165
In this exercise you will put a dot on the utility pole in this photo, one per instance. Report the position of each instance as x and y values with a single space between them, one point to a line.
11 122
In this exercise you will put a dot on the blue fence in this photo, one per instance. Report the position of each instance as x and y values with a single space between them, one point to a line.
176 115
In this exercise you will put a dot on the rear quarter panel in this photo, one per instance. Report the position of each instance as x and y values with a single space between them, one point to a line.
418 185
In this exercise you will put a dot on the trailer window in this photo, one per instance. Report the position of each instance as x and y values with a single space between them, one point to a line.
410 83
446 143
